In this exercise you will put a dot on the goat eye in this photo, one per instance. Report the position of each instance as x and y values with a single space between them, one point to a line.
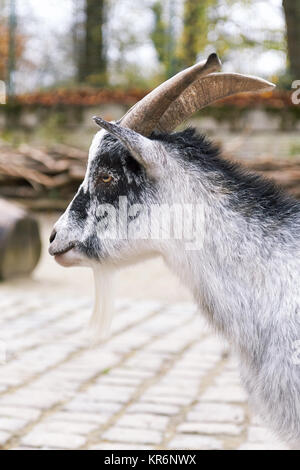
106 179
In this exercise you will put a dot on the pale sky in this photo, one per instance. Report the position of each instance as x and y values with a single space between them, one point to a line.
48 21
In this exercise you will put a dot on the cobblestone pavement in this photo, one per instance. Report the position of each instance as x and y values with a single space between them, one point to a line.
160 381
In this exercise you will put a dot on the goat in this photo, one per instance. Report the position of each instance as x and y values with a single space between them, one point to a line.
245 271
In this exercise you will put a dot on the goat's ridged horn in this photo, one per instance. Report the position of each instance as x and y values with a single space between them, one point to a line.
205 91
144 116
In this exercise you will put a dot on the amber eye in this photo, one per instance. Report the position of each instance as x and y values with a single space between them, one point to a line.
106 178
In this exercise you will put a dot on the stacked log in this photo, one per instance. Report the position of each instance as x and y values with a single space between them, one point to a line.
47 178
41 178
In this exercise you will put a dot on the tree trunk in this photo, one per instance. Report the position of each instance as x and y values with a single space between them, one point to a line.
93 63
195 30
292 16
20 244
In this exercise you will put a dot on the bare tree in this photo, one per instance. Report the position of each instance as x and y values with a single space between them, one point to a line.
92 61
292 16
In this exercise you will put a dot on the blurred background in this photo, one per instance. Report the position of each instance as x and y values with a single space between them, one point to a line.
62 62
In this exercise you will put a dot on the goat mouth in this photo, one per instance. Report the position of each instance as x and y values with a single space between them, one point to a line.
66 250
70 257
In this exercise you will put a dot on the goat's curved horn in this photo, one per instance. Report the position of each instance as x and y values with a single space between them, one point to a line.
205 91
144 116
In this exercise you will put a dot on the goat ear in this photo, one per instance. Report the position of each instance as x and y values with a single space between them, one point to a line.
144 150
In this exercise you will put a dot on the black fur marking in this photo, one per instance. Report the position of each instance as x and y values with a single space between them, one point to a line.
129 177
80 205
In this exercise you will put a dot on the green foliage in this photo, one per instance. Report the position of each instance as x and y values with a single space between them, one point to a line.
294 150
132 78
210 23
159 34
194 36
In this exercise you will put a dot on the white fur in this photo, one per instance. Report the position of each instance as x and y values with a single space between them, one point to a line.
92 154
103 301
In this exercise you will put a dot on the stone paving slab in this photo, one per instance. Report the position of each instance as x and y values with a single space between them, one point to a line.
161 380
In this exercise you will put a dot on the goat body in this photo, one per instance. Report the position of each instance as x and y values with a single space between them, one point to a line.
244 269
246 278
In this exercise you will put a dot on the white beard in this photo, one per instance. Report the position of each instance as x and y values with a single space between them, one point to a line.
103 310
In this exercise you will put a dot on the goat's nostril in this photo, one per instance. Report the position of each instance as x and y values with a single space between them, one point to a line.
52 236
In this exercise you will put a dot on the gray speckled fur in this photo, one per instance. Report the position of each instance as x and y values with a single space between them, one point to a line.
246 276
